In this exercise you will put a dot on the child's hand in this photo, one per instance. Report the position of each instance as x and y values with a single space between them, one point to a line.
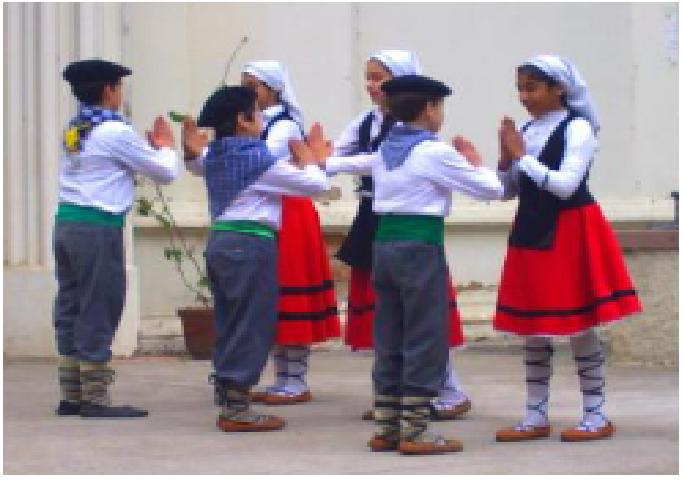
467 149
320 147
194 141
505 158
512 142
302 155
161 134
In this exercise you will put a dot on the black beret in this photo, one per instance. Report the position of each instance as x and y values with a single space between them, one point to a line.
224 103
95 70
415 84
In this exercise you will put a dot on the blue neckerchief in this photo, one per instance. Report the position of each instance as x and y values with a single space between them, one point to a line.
232 164
399 142
87 118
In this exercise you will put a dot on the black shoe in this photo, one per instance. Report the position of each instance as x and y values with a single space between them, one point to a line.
88 410
68 408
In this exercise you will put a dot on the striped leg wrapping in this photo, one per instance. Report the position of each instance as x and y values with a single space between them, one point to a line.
387 411
538 354
69 376
415 417
95 381
588 353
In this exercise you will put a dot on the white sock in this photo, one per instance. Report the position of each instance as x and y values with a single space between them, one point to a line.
450 394
538 354
588 353
292 365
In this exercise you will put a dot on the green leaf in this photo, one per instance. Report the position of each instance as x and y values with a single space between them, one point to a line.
177 117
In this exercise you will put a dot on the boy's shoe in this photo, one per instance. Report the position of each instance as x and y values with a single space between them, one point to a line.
429 444
383 443
451 413
258 396
250 423
68 408
91 410
585 432
284 398
521 432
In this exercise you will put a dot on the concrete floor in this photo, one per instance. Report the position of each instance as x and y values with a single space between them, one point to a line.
327 436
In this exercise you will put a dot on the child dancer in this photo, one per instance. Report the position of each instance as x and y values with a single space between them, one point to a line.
245 183
564 273
96 187
364 135
307 308
413 175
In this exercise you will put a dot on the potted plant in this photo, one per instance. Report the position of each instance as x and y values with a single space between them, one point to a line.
197 321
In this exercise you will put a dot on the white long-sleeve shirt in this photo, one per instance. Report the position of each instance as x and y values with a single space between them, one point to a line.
580 147
423 184
262 201
102 174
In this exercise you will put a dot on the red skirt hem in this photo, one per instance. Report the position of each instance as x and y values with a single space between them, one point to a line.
579 283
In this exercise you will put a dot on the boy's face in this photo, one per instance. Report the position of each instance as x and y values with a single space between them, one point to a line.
265 96
537 96
434 115
376 75
112 96
250 127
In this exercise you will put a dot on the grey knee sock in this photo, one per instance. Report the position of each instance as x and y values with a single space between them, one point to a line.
538 354
588 353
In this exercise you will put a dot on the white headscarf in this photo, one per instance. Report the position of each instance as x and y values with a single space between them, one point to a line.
275 75
398 62
564 72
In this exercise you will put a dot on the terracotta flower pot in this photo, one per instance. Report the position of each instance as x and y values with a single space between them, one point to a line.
198 331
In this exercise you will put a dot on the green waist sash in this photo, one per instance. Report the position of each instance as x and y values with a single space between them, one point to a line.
417 228
244 226
68 212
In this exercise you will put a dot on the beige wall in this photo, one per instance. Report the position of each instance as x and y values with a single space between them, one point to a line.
178 53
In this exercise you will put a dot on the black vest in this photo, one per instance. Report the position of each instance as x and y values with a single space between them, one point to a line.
369 145
535 221
284 115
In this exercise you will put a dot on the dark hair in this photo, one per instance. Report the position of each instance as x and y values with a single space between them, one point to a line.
229 126
221 110
90 93
407 106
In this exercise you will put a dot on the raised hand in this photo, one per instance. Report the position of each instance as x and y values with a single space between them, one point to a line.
302 154
194 140
320 146
467 149
512 143
161 134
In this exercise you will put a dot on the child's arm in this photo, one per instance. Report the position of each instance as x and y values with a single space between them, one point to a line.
155 159
279 135
194 147
580 146
348 141
284 178
361 164
461 169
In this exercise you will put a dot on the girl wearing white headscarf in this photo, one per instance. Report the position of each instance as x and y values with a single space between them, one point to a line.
564 273
307 309
364 135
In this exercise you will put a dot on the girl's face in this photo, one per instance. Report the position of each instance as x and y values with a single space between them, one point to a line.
376 75
266 97
537 96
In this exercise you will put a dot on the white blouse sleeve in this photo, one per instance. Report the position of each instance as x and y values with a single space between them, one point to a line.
196 165
279 135
580 146
361 164
348 141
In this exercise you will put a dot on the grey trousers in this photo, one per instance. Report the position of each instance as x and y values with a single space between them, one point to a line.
91 287
242 273
410 328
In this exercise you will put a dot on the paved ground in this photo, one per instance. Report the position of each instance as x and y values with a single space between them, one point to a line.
327 436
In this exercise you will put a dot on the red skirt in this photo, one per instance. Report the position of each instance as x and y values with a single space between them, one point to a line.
579 283
307 308
361 307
